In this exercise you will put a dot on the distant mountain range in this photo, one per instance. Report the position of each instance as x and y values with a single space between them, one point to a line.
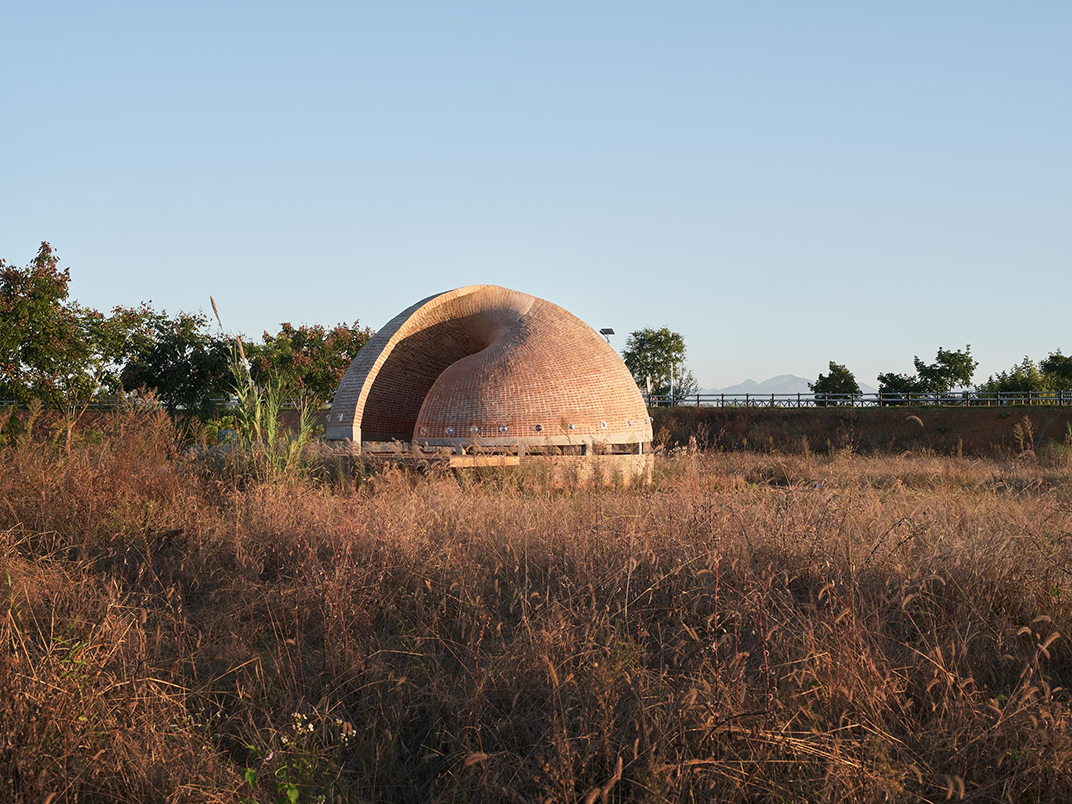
782 384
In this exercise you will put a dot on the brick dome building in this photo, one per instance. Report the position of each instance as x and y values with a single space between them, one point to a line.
493 367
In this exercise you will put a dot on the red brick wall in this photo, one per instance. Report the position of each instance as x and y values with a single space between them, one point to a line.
489 358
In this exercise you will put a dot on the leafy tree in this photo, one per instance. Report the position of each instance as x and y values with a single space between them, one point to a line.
1025 376
1058 371
1052 374
309 360
950 369
46 349
179 359
839 381
659 354
117 339
891 383
60 352
188 366
57 350
685 384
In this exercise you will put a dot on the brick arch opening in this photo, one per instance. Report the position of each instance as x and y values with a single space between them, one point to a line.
381 394
400 387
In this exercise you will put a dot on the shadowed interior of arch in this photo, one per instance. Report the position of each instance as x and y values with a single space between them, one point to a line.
410 371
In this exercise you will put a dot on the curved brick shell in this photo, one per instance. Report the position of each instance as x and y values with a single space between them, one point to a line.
491 365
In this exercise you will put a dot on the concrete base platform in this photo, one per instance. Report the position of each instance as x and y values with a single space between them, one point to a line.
559 471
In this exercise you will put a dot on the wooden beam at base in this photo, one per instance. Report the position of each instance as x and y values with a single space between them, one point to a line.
471 461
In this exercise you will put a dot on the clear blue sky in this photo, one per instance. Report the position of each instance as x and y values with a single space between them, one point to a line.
783 183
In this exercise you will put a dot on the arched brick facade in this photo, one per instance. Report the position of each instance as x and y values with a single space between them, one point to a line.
488 365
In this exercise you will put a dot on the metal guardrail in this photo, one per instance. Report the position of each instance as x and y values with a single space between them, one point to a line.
960 399
113 404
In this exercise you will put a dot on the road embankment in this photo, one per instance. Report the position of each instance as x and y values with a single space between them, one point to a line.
991 432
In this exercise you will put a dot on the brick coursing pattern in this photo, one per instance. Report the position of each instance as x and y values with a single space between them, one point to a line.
491 365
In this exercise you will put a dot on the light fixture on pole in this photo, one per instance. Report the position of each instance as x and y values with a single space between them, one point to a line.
606 332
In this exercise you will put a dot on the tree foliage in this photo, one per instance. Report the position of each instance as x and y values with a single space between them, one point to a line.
56 350
891 383
188 365
659 354
309 360
1057 368
47 347
1024 376
839 381
1051 374
949 370
181 361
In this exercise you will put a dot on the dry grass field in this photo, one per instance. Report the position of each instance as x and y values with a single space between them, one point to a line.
755 627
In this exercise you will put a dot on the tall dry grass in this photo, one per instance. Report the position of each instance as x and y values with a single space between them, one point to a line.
750 628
